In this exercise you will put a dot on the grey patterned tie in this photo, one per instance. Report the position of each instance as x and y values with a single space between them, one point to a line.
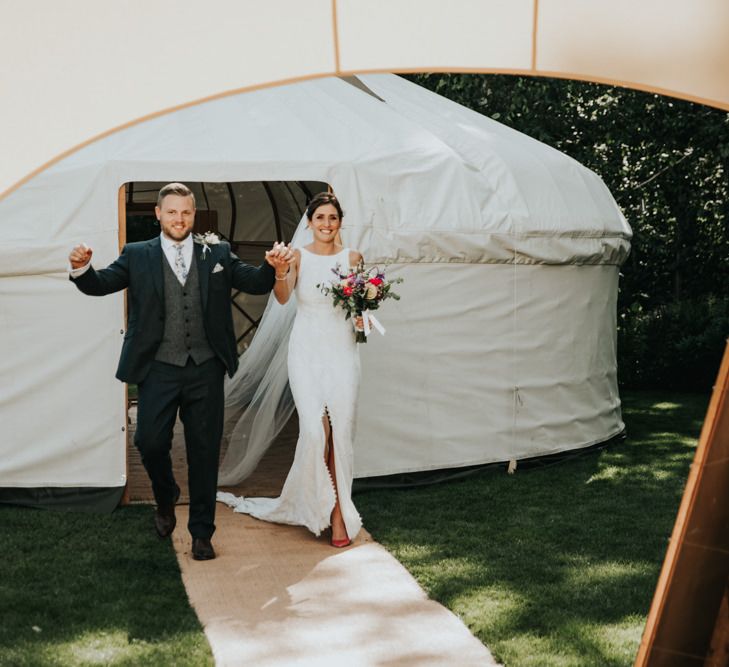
180 268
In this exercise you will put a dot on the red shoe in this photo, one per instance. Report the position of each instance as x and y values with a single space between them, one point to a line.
341 543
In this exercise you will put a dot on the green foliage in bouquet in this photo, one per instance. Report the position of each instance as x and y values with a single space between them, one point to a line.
359 290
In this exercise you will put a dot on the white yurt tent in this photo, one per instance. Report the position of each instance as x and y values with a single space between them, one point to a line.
502 347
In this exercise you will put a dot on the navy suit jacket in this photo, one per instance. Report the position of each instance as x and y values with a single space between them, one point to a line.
139 270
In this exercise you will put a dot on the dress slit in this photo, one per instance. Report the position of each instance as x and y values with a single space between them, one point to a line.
328 415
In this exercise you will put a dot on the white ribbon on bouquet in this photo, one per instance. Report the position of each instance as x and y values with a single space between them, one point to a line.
369 321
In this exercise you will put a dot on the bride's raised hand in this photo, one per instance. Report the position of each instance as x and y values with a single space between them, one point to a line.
280 257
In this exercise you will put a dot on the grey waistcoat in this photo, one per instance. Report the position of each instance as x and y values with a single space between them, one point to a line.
184 333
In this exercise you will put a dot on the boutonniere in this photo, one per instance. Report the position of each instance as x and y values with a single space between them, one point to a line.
206 240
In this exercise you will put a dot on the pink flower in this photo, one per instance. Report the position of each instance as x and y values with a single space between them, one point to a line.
375 281
347 291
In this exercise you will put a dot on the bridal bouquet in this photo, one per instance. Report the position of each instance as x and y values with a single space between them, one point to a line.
359 291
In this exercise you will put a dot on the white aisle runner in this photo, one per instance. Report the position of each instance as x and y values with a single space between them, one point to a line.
276 596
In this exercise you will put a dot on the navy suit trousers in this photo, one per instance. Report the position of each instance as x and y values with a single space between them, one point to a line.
197 393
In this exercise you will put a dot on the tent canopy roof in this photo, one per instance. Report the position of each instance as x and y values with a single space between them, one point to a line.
515 184
428 179
96 62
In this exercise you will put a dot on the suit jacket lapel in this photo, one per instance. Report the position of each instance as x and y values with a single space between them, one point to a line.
203 272
154 251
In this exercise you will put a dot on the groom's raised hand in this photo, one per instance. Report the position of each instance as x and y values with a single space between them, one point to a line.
80 256
280 257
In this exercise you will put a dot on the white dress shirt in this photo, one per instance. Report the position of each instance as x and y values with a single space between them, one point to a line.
168 249
170 252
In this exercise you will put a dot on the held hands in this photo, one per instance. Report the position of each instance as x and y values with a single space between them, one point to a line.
280 257
80 256
358 323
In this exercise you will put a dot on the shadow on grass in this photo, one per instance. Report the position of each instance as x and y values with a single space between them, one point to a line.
556 565
81 589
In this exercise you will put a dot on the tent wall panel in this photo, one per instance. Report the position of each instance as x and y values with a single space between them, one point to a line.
515 375
62 422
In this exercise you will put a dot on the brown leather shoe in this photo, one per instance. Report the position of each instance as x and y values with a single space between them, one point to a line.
165 519
202 549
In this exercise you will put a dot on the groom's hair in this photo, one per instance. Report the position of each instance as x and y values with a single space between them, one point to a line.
175 189
322 199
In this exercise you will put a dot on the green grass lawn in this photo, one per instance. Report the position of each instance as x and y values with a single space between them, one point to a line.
551 566
554 565
85 589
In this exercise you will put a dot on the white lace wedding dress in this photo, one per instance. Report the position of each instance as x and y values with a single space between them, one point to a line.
323 366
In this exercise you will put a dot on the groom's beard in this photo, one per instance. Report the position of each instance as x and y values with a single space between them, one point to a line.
177 236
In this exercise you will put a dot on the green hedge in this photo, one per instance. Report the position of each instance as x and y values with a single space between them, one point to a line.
676 346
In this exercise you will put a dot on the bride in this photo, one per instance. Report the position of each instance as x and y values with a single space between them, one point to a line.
323 369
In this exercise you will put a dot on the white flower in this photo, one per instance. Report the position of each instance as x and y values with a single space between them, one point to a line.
206 240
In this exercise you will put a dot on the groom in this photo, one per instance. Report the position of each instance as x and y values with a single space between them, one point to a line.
178 345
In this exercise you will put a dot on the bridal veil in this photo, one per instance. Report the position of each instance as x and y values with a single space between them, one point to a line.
260 386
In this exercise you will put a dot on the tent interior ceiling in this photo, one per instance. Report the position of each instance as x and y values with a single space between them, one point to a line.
678 47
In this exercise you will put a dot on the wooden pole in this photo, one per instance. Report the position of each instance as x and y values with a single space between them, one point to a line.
687 606
719 649
122 218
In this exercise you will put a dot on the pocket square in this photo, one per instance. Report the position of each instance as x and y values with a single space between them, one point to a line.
217 268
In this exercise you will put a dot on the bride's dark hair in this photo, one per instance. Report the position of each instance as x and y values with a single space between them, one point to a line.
322 199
